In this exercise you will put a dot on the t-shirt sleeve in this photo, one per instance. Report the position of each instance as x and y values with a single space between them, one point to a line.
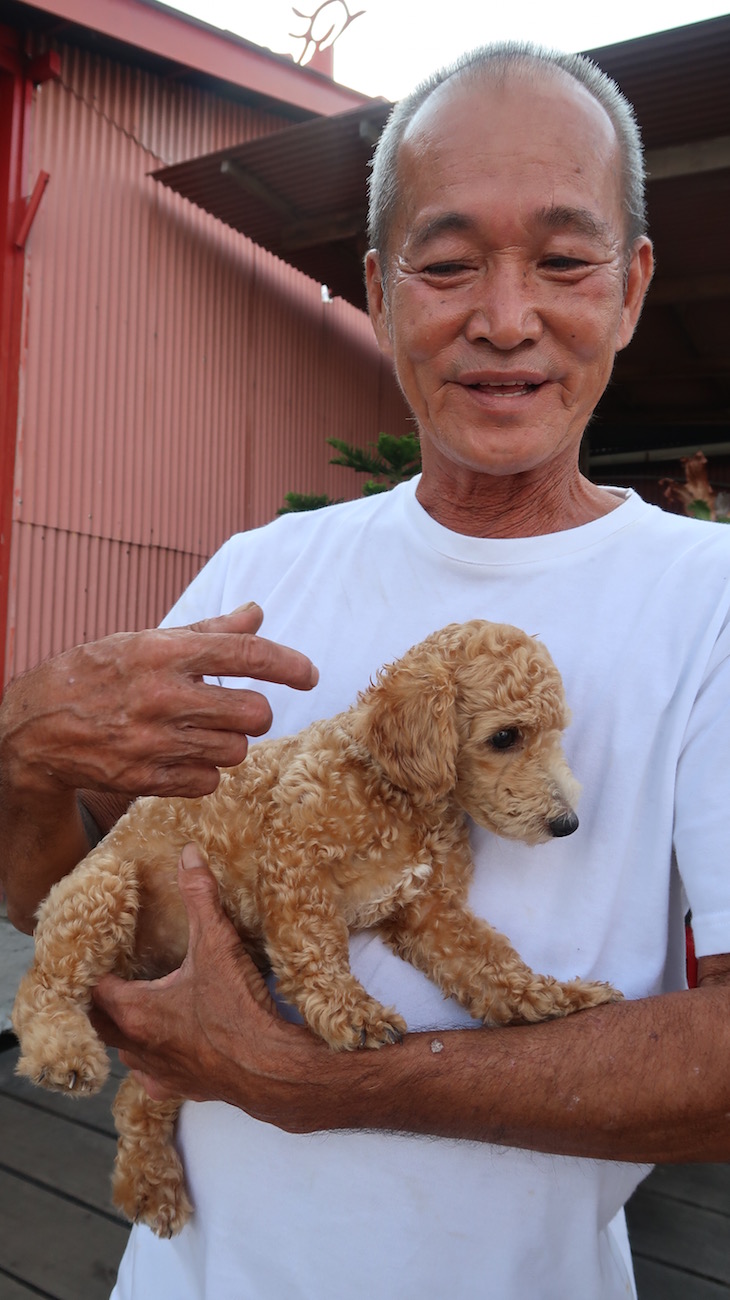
702 805
204 597
246 567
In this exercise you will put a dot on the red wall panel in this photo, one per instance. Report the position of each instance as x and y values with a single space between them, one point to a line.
176 380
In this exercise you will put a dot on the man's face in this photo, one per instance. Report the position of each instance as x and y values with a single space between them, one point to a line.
509 286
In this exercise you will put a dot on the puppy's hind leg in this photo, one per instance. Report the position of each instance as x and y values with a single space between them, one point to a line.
87 921
148 1183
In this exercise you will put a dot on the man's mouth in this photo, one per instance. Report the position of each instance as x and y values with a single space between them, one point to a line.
504 388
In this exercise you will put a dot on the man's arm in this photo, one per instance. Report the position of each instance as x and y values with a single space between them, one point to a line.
130 714
642 1081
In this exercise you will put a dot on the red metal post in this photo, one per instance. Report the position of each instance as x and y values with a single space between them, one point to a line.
16 90
31 208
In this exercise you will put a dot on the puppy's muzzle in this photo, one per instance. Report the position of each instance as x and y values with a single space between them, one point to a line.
565 824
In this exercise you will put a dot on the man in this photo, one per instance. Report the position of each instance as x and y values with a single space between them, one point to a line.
509 266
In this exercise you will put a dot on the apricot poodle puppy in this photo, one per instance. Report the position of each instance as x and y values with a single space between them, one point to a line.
357 821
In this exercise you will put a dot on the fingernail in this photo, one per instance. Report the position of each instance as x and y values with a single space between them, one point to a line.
244 609
191 857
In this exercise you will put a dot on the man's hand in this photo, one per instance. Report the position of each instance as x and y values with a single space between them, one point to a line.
210 1031
130 714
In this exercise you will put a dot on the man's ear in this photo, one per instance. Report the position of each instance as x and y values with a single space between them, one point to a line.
638 279
377 306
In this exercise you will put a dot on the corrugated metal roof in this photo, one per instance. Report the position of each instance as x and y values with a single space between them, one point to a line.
678 81
301 193
168 41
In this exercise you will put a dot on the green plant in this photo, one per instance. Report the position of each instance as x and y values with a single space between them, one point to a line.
391 460
294 502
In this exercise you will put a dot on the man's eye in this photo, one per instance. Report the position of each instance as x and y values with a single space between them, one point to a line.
444 268
564 263
504 739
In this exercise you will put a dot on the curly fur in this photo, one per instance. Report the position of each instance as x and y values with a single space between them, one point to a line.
358 821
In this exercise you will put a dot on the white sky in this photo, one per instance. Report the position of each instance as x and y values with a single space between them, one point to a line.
396 42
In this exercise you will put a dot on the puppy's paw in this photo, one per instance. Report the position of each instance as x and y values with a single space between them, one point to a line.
580 994
548 998
382 1029
529 999
71 1061
153 1193
365 1024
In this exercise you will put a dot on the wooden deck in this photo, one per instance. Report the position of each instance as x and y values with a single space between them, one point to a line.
679 1223
61 1239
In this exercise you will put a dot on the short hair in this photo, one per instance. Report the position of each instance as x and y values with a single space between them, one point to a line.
496 62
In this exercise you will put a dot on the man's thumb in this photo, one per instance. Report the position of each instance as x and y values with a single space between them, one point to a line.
192 858
199 888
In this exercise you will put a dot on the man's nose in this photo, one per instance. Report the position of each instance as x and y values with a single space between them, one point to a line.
504 308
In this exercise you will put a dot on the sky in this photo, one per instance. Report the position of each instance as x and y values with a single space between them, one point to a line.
394 43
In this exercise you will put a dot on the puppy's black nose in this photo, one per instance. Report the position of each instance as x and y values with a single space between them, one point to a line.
565 824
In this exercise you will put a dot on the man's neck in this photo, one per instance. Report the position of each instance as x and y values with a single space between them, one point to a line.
520 505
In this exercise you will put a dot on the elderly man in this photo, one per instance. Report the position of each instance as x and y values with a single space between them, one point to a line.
509 265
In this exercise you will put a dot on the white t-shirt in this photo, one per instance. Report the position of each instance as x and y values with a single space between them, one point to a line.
634 609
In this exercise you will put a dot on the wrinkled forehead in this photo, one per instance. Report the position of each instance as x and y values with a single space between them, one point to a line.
548 94
504 125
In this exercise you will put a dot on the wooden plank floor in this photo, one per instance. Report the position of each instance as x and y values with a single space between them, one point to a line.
679 1223
61 1239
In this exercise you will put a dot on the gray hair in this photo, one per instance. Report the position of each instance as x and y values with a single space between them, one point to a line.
496 62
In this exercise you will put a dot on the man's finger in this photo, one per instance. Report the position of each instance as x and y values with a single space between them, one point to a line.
261 657
246 618
109 1001
201 709
242 654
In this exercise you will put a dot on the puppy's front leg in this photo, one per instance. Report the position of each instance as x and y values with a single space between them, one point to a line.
471 961
307 941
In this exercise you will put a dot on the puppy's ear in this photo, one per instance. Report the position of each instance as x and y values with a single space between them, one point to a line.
407 720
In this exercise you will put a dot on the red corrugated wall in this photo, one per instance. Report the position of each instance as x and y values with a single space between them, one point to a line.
176 380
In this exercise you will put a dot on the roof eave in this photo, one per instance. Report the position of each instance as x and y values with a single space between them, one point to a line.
222 56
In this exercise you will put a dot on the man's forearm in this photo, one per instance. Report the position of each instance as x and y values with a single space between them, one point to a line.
642 1081
41 827
43 837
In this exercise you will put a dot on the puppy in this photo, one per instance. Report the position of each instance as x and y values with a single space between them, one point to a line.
357 821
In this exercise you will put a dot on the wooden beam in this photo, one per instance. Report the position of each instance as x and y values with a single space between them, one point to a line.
678 370
258 188
309 234
688 159
690 288
658 453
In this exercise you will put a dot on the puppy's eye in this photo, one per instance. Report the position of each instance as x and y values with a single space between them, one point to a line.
504 739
